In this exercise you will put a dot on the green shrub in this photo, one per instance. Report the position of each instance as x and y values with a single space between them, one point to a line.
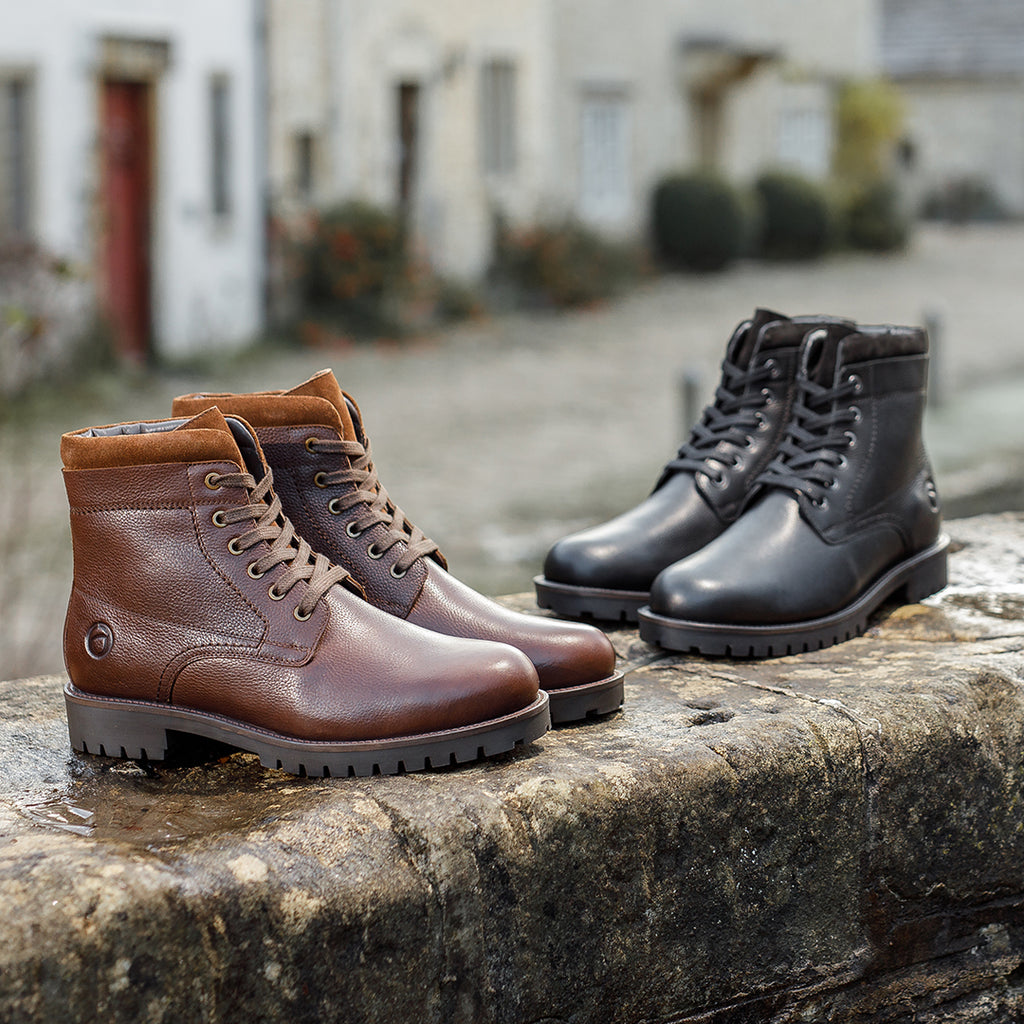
875 219
351 263
962 200
564 264
797 222
698 221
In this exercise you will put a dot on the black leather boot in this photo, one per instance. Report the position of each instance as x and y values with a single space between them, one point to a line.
846 516
606 571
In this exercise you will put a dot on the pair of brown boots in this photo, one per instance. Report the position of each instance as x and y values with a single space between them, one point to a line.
339 645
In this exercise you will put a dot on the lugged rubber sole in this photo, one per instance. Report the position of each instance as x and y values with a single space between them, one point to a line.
589 602
575 703
138 729
923 574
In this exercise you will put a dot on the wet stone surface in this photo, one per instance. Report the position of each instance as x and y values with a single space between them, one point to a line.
833 836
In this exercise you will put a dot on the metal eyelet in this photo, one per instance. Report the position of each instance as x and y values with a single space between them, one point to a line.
299 616
212 481
374 553
334 507
768 397
250 570
218 518
762 422
851 438
319 479
834 484
773 368
398 574
352 530
311 444
233 546
843 462
857 382
857 417
820 503
273 594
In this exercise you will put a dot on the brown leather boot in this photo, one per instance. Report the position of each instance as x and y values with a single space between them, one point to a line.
196 609
314 441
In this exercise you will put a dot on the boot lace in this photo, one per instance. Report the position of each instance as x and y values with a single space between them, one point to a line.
813 449
286 546
733 416
367 490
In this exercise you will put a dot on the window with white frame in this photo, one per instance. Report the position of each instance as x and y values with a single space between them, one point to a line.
15 155
606 173
804 141
498 150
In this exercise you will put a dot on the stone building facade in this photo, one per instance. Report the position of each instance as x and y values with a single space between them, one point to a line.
960 69
460 111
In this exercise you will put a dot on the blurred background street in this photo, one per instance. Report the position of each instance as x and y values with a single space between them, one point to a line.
499 437
510 229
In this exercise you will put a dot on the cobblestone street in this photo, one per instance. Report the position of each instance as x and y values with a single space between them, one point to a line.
498 437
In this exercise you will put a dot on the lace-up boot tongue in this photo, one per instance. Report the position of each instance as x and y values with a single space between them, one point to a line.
745 338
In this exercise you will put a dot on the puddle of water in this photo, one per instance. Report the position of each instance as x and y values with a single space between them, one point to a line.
163 805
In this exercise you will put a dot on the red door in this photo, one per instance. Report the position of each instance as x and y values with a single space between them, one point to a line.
126 183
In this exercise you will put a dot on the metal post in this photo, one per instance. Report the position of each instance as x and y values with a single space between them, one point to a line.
935 327
690 389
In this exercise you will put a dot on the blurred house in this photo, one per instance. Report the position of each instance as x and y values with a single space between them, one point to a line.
131 145
960 69
458 112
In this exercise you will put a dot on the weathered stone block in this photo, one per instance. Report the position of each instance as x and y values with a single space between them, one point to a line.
834 836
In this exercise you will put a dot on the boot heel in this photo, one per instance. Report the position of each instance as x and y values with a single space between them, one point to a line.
115 731
929 577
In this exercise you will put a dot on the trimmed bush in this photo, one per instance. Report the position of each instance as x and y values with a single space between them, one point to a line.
351 263
963 200
698 220
796 219
875 219
565 264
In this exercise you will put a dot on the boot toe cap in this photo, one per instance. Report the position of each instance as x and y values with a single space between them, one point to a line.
589 560
568 654
682 592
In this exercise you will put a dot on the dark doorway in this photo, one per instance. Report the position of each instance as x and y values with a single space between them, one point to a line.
126 175
408 139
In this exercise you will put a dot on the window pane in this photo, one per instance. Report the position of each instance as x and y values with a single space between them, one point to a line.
605 155
498 116
804 140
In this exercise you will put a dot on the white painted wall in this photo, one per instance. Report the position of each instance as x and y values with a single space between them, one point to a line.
207 275
965 129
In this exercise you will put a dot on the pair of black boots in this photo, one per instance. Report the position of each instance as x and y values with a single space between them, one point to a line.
803 500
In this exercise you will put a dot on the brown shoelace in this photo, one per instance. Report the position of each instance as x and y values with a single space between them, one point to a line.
286 546
369 491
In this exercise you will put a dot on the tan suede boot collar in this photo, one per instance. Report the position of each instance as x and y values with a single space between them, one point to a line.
318 401
205 437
